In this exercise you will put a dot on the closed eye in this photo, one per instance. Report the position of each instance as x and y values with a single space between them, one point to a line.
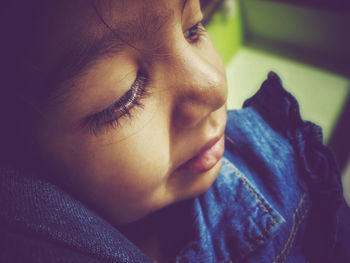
111 116
194 33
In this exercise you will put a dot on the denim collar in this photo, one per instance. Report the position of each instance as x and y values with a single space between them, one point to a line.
36 208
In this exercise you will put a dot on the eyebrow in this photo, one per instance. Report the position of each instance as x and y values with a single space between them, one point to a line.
184 2
81 58
128 32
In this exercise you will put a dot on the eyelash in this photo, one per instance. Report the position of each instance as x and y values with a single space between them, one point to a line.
122 107
195 33
111 115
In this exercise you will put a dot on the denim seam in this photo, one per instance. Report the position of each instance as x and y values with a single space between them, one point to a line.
238 173
299 223
179 258
296 224
293 228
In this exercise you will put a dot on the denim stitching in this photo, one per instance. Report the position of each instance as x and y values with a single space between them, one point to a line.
299 223
179 258
294 229
238 173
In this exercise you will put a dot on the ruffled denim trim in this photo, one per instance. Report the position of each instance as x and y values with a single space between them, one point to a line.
317 164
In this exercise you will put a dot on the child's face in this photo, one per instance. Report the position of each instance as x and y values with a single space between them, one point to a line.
126 125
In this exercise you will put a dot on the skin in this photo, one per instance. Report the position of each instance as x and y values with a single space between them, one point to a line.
132 169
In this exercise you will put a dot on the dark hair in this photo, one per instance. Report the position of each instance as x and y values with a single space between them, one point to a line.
17 80
25 83
26 80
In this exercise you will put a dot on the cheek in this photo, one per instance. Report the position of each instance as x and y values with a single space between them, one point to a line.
139 163
124 178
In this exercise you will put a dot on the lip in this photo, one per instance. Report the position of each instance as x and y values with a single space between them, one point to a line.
207 157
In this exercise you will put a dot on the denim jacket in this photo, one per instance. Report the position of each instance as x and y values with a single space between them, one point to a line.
275 200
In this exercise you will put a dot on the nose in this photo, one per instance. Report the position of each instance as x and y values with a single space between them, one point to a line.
199 85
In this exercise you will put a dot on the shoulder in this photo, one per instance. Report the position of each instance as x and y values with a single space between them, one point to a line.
284 159
270 133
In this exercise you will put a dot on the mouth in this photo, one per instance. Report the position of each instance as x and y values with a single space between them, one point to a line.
208 156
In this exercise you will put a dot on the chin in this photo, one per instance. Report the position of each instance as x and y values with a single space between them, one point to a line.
200 183
192 186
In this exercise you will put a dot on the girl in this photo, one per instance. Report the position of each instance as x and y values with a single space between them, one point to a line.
113 144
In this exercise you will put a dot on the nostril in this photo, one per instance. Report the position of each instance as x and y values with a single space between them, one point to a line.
188 115
195 104
222 93
216 93
199 87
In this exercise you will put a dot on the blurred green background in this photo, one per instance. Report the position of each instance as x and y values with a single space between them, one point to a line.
306 44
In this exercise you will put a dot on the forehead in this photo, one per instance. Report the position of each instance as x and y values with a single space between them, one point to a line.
91 19
69 34
87 14
79 22
74 27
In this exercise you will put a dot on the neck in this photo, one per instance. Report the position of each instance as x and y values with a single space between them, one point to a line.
146 235
164 233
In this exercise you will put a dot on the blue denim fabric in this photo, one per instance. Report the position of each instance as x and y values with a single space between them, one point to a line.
275 200
41 223
278 192
257 209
